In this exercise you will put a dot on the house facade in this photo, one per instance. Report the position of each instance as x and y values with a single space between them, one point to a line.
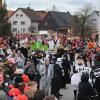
99 30
93 21
24 20
93 24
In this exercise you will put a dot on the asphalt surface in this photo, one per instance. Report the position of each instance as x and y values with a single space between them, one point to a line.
67 93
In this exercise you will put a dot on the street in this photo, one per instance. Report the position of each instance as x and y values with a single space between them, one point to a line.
45 44
67 93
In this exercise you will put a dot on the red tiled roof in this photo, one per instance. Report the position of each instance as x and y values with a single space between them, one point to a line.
41 14
30 13
9 13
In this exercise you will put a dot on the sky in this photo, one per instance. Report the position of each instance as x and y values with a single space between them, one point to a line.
61 5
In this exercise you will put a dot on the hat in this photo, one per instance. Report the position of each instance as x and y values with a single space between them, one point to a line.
25 78
22 97
59 59
19 71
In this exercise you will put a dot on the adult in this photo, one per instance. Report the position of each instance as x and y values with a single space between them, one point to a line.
20 59
46 72
51 44
66 67
97 85
85 88
57 78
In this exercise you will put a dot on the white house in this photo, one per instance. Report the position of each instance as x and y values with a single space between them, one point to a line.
24 20
93 20
93 23
99 29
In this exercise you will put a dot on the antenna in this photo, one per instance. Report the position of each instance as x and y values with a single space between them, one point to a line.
54 8
29 4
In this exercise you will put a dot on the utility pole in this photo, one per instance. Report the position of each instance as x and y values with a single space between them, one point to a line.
54 8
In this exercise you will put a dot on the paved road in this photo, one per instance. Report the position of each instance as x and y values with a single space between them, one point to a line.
67 93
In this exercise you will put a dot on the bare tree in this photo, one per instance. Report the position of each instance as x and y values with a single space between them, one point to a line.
83 15
5 26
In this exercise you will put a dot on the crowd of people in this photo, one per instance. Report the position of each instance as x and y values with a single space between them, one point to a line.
40 75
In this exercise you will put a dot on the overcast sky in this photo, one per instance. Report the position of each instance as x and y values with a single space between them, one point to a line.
61 5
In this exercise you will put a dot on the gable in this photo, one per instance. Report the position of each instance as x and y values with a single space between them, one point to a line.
27 12
31 14
48 23
19 14
93 17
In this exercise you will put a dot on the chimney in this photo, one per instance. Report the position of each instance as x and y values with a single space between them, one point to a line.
0 3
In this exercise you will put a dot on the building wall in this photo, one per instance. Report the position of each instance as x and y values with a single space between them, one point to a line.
99 29
93 20
35 25
20 22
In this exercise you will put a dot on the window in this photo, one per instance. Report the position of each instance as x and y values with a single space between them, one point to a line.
14 30
46 23
93 19
14 22
24 29
21 30
21 15
17 15
23 23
